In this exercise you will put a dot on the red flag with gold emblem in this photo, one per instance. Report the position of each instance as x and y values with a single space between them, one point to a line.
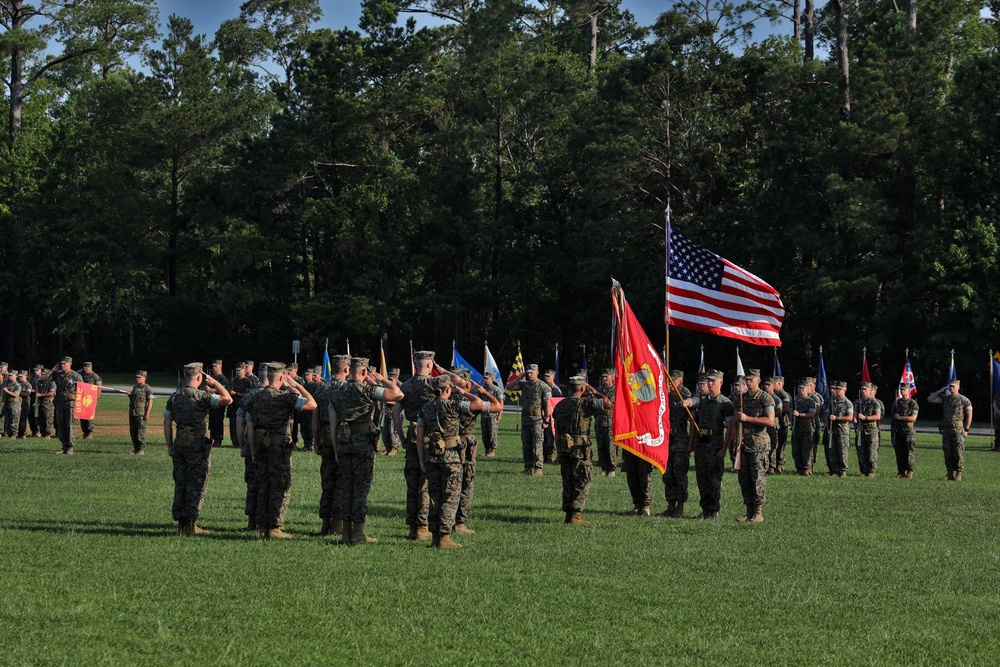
641 419
86 400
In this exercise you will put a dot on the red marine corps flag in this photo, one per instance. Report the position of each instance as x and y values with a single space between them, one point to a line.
641 420
86 400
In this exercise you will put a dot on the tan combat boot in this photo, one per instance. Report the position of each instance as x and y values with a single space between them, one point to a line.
644 511
679 512
462 529
358 534
336 527
278 534
958 475
422 534
909 474
574 518
347 528
758 514
671 508
444 541
195 530
947 478
746 517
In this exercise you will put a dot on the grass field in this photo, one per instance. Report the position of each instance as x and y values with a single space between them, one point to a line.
843 571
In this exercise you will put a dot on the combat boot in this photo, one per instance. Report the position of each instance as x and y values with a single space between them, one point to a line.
444 541
392 452
758 514
422 534
537 472
182 527
909 474
900 476
325 530
643 511
574 518
195 530
679 512
671 508
948 477
275 533
958 475
746 517
347 527
358 534
462 529
336 526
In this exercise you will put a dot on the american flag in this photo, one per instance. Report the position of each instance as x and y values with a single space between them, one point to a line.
708 293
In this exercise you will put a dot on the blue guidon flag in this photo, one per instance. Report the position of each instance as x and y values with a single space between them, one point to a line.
708 293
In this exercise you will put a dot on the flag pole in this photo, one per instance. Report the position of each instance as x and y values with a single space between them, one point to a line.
993 430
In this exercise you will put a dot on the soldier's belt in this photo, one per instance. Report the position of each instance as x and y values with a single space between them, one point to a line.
577 439
711 431
451 443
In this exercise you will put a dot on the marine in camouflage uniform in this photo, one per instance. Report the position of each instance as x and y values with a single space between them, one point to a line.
268 418
467 449
22 424
838 415
323 445
571 417
313 379
241 386
490 421
391 436
804 410
438 441
782 400
140 404
353 423
956 418
217 416
45 391
675 478
239 426
190 448
12 410
33 413
548 437
417 391
3 399
714 414
904 414
767 386
65 379
535 396
755 417
821 433
607 452
868 413
90 377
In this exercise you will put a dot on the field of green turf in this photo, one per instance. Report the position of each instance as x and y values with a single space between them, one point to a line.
842 571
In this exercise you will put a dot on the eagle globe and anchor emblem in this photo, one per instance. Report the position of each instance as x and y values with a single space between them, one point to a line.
643 388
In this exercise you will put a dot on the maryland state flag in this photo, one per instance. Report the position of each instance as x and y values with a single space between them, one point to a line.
516 369
641 420
86 400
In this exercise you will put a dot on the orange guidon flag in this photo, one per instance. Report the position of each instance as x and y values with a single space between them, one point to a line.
86 400
641 419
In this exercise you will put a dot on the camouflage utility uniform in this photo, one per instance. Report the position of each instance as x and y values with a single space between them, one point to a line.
188 409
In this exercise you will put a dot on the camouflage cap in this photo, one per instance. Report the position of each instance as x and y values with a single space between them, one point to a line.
140 374
274 367
752 373
316 370
488 375
549 373
442 382
424 355
293 366
455 369
24 373
838 384
713 375
904 385
874 387
777 378
88 364
577 381
38 367
768 381
216 362
192 369
607 372
867 385
808 379
339 362
954 383
464 373
393 374
531 367
248 362
65 360
358 363
676 375
803 383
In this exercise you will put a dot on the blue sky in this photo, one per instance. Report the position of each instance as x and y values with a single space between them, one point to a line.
208 14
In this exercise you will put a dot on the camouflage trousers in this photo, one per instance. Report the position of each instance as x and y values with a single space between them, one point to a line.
953 442
22 423
577 470
675 479
531 444
216 425
355 471
709 468
87 426
46 419
639 474
417 501
903 443
329 507
803 449
607 454
468 480
64 423
32 419
192 458
273 477
250 479
753 474
390 436
444 490
838 444
231 414
868 444
777 458
137 429
490 426
548 442
12 418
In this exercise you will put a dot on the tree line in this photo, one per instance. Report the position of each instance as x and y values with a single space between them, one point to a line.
179 196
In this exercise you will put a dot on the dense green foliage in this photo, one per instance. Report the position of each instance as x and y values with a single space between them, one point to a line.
481 180
842 571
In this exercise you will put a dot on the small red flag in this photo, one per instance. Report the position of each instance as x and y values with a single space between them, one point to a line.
553 402
865 377
641 419
86 400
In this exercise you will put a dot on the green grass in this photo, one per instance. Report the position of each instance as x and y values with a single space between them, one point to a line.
843 571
